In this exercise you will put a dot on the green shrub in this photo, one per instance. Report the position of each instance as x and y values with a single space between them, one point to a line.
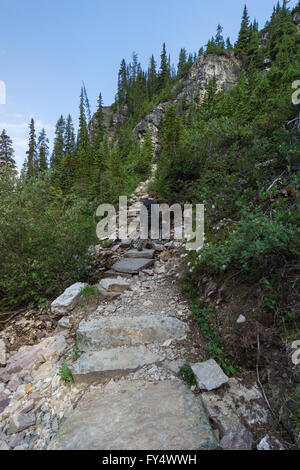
44 237
65 374
249 242
187 374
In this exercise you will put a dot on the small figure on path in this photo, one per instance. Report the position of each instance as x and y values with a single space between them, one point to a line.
149 202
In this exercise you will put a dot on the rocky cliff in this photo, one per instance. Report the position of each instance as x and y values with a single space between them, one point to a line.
226 69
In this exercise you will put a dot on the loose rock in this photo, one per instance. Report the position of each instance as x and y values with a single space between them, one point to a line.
66 302
209 375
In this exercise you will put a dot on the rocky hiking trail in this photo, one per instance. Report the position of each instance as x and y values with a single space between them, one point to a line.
124 353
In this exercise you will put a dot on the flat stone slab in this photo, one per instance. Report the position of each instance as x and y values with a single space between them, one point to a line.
146 254
112 332
137 416
132 266
114 274
67 301
209 375
96 366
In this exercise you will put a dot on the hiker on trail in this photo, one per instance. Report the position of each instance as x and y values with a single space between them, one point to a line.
151 201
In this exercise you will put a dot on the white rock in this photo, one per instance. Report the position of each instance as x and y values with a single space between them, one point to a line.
64 322
241 319
118 285
270 443
4 446
68 300
2 353
209 375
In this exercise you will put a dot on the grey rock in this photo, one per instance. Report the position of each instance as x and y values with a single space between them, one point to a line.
175 366
146 254
100 365
132 266
2 353
67 301
4 445
14 383
137 415
117 285
24 446
28 356
20 421
209 375
126 242
237 439
226 70
64 322
227 410
17 439
112 332
114 274
4 404
28 407
270 443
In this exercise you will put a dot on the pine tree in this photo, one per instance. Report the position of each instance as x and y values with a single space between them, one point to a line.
164 74
152 78
122 83
219 40
83 135
83 155
229 46
69 154
99 118
101 159
182 62
69 137
87 104
32 158
254 52
43 151
6 150
211 46
243 38
59 145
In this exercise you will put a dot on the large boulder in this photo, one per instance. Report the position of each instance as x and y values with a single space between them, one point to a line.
67 301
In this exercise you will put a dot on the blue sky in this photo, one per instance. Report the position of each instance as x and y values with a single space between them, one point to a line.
48 47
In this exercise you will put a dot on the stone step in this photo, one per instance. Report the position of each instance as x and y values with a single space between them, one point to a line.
132 265
116 331
97 366
137 416
146 254
114 274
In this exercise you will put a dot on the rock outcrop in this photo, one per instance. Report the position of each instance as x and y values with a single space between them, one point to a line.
225 68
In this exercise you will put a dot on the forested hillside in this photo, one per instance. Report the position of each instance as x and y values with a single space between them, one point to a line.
223 130
233 149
